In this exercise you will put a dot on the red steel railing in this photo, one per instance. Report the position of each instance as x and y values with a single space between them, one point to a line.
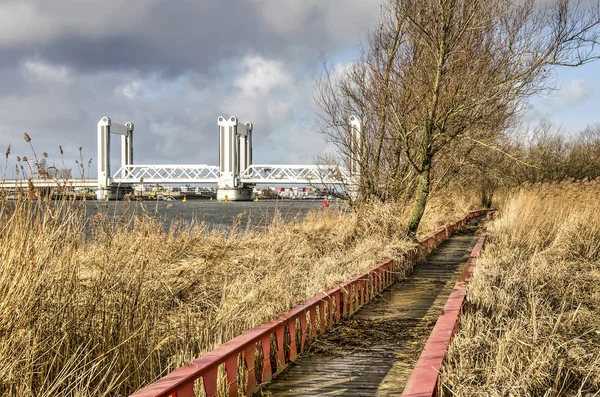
241 365
424 380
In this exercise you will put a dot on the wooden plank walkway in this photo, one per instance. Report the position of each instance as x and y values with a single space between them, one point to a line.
373 353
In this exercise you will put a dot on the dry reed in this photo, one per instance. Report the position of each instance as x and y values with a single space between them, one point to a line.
532 320
102 307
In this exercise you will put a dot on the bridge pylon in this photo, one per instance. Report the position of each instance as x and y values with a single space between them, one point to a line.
355 155
105 128
235 156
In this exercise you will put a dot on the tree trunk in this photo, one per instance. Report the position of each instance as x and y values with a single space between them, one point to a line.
424 180
418 207
487 193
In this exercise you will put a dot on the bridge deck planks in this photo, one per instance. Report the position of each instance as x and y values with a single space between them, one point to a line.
406 313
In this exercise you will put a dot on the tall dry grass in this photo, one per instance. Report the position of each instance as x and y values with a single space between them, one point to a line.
104 306
532 321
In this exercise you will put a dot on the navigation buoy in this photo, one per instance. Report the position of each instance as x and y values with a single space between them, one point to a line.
185 199
325 203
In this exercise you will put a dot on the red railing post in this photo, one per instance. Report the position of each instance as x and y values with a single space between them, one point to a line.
339 301
330 312
231 366
350 299
265 344
279 333
292 328
249 357
303 331
186 390
210 381
322 317
313 326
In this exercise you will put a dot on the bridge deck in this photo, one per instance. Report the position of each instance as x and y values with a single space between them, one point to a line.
373 353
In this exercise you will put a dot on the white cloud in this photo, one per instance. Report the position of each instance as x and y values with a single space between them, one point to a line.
45 72
573 93
130 89
264 92
261 76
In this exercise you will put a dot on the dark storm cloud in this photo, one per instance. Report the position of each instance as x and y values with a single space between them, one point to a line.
174 36
172 67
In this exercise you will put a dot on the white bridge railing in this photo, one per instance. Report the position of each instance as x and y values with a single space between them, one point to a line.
293 174
287 174
167 174
183 174
48 183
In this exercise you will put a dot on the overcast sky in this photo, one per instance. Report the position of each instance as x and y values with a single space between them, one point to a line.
172 67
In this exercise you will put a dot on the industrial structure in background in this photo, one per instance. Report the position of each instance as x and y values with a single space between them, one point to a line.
236 176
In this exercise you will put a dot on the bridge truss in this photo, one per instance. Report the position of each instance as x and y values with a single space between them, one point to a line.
293 174
133 174
254 174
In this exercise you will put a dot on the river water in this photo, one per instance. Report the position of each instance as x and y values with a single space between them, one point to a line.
214 214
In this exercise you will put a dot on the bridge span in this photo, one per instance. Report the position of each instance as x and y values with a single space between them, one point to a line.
254 174
235 175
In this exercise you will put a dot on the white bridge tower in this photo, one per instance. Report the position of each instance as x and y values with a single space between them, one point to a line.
105 128
235 156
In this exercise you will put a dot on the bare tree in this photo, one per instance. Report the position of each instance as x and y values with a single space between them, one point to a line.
448 74
555 157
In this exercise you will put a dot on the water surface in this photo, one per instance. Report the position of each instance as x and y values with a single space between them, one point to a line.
214 214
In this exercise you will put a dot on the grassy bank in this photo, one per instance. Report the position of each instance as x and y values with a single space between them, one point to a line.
532 322
102 307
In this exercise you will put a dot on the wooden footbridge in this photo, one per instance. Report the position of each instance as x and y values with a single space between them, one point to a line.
380 334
